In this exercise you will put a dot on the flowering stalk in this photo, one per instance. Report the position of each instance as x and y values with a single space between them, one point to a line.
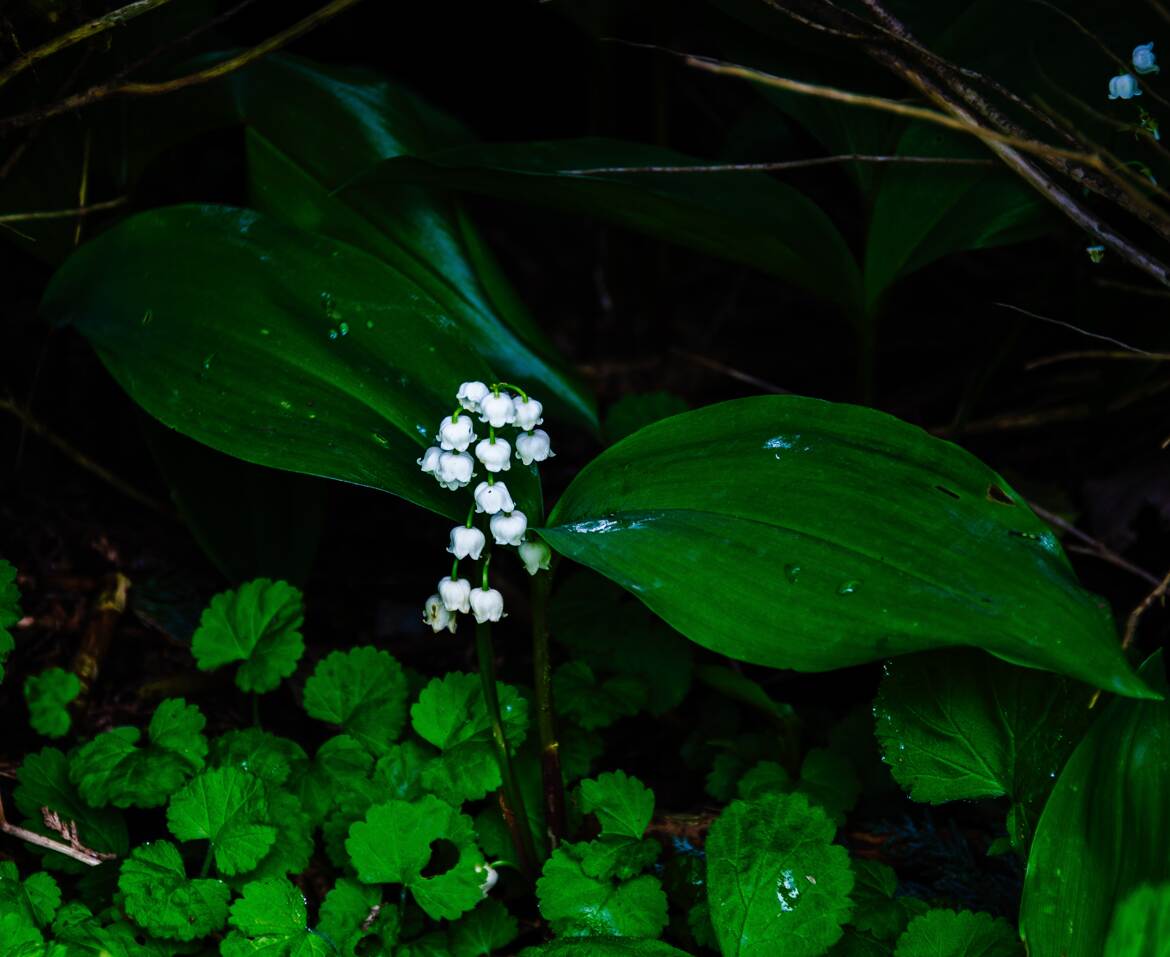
552 779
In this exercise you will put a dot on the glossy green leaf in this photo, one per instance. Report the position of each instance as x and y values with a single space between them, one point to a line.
577 904
271 919
958 724
229 808
303 354
1141 924
778 885
745 217
36 898
362 690
804 534
1104 830
159 896
297 113
948 933
604 947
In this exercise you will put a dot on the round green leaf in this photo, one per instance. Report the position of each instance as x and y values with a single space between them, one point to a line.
804 534
159 897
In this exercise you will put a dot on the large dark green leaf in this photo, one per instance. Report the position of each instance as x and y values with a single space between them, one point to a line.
1105 830
804 534
279 347
746 217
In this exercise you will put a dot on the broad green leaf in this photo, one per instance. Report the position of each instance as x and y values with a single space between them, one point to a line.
304 353
745 217
393 846
592 703
614 856
804 534
256 624
229 808
340 765
345 913
271 920
484 930
296 112
43 782
113 769
159 897
451 715
632 412
739 687
19 937
268 756
36 898
875 909
948 933
1141 924
578 905
47 695
84 935
363 691
778 885
1104 830
9 610
604 947
623 804
293 849
957 725
924 212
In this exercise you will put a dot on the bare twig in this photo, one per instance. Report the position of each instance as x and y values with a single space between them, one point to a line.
103 91
732 373
1092 545
42 214
74 848
1135 616
783 165
1096 354
1077 329
107 21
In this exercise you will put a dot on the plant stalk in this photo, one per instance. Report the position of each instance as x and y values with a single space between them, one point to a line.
550 747
511 799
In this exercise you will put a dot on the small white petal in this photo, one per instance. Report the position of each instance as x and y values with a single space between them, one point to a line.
455 593
508 528
487 604
1124 87
436 615
528 414
497 410
1144 60
536 556
466 543
430 459
456 434
470 395
495 456
455 469
533 446
493 498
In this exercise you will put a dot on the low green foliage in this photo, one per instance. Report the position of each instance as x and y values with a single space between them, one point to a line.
47 695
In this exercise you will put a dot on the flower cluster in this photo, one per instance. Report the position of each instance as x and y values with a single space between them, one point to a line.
453 465
1125 86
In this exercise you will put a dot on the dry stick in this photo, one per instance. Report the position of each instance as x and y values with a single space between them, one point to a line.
105 22
80 458
99 634
1095 547
103 91
1077 329
1096 354
783 165
732 373
1160 8
64 213
83 854
1135 616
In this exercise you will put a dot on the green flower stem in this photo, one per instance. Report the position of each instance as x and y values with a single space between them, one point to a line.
471 515
510 385
511 800
550 747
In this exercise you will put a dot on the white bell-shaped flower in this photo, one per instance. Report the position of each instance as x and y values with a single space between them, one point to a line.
1144 60
429 462
508 528
497 410
456 434
533 446
535 556
466 543
493 498
487 604
528 414
455 593
1124 87
436 615
471 394
496 456
455 469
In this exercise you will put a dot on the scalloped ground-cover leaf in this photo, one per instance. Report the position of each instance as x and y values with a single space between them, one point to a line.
256 624
957 725
271 919
9 610
604 947
363 691
159 896
229 808
745 217
804 534
393 846
622 803
484 930
47 695
948 933
1141 924
113 769
1104 830
304 353
36 898
778 886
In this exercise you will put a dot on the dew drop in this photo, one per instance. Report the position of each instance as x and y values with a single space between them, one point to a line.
285 404
380 439
343 328
369 323
849 587
787 892
792 572
265 332
332 333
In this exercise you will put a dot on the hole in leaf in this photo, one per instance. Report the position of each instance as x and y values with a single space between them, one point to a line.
947 491
996 494
444 856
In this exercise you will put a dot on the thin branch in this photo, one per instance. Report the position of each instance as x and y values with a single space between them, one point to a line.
1096 354
1094 546
716 366
783 165
42 214
115 18
1077 329
1129 287
1135 616
103 91
73 849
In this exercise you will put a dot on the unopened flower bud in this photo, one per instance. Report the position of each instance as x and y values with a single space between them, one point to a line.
456 434
536 556
533 446
455 593
508 528
487 604
1144 60
493 498
466 543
